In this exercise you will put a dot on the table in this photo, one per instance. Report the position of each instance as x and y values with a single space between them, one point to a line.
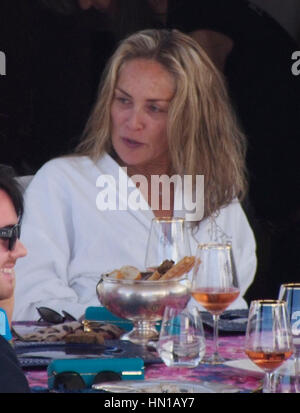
230 346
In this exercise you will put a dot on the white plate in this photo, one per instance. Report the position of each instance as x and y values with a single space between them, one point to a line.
164 386
245 364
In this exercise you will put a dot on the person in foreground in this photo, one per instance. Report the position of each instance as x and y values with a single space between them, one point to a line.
162 110
12 379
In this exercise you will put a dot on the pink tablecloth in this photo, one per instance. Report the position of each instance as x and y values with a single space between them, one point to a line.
231 347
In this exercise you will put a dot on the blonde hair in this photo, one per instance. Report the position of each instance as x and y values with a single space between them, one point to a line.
203 133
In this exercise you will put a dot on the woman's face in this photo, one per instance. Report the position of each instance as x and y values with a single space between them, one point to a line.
139 113
8 217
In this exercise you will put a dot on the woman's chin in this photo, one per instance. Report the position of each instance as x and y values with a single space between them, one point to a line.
132 161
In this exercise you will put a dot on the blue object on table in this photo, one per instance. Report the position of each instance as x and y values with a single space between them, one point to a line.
127 368
4 325
102 314
231 321
40 354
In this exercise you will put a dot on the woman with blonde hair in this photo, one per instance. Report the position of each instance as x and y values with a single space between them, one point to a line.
203 134
162 111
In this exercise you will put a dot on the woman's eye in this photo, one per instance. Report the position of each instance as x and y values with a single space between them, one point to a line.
155 109
122 100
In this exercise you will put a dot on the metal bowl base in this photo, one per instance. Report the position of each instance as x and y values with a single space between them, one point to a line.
142 333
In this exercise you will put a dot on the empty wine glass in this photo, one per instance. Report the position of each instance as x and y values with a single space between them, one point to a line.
287 377
214 285
168 240
290 293
268 340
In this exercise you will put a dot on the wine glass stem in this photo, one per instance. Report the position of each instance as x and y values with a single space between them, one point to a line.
216 336
297 372
268 382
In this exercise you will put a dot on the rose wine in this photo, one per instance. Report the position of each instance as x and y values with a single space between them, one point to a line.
268 360
215 300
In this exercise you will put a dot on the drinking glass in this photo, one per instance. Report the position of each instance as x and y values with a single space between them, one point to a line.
181 340
290 293
168 240
287 377
214 285
268 340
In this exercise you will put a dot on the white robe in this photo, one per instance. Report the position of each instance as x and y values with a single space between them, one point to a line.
70 242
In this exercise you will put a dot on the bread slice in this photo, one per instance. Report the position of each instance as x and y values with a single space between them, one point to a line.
155 276
130 273
182 267
165 266
116 275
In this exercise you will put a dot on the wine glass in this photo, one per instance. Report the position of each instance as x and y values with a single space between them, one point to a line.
168 240
290 293
288 376
268 340
181 340
214 285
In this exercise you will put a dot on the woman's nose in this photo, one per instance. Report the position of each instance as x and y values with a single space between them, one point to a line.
135 119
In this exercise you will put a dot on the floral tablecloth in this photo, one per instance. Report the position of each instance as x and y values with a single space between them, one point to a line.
230 347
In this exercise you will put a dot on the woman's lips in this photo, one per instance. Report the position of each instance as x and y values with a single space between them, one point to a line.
131 143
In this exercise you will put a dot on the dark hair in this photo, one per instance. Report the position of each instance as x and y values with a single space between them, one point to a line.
61 6
9 184
133 15
128 17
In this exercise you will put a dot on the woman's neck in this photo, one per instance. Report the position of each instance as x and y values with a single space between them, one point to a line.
161 166
149 170
153 192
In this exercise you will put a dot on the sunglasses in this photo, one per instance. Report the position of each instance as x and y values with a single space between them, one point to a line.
10 235
53 317
73 381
